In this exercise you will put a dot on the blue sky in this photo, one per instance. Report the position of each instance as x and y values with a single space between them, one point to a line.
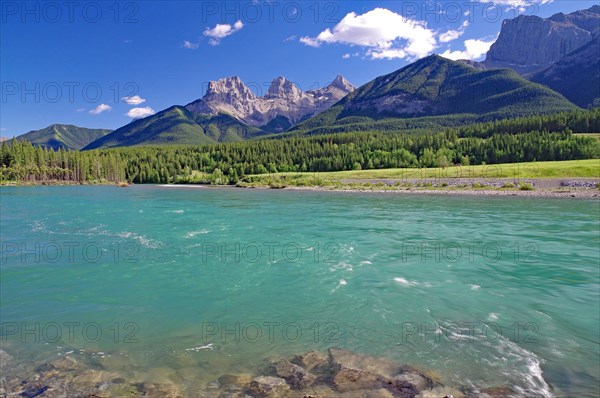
101 64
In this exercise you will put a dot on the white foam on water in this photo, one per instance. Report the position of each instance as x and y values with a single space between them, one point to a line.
405 282
341 283
149 243
492 316
200 348
38 226
191 234
341 265
176 211
532 383
475 287
366 262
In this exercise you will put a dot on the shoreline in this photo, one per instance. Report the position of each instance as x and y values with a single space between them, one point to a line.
571 194
552 188
334 373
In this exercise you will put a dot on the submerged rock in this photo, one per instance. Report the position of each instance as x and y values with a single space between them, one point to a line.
313 361
344 359
5 358
269 386
348 379
352 372
242 380
412 380
296 376
441 392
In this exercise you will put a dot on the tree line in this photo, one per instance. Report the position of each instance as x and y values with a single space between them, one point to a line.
539 138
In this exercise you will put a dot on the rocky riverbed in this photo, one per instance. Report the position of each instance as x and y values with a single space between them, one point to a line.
336 373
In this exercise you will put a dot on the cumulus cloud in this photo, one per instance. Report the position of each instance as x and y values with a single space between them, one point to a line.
138 113
135 100
453 34
189 45
100 108
220 31
473 49
384 33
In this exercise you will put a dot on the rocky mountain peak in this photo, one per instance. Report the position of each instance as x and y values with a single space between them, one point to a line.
283 88
283 99
341 83
227 90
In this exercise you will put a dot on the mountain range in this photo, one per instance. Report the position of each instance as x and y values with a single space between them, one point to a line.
435 91
282 100
559 55
229 111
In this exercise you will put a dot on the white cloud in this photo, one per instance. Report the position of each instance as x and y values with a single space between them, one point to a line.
519 4
473 49
346 56
137 113
189 45
452 35
100 108
384 33
135 100
80 110
221 31
310 42
387 54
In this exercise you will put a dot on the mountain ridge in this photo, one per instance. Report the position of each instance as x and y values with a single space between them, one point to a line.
283 99
66 136
435 87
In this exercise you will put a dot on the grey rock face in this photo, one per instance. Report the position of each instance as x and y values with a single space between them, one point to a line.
283 99
529 43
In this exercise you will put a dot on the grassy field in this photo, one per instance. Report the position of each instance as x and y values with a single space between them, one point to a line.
593 135
566 169
512 171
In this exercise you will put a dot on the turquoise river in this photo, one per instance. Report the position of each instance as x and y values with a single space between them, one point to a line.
485 291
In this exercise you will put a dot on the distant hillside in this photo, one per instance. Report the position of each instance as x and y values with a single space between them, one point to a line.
177 126
63 136
437 92
576 76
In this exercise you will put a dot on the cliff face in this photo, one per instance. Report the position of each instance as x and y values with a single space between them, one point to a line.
529 43
576 76
283 99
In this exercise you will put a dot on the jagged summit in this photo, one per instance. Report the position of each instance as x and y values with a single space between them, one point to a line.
283 99
227 89
283 88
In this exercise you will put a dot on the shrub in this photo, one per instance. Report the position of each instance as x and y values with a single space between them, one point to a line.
526 187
